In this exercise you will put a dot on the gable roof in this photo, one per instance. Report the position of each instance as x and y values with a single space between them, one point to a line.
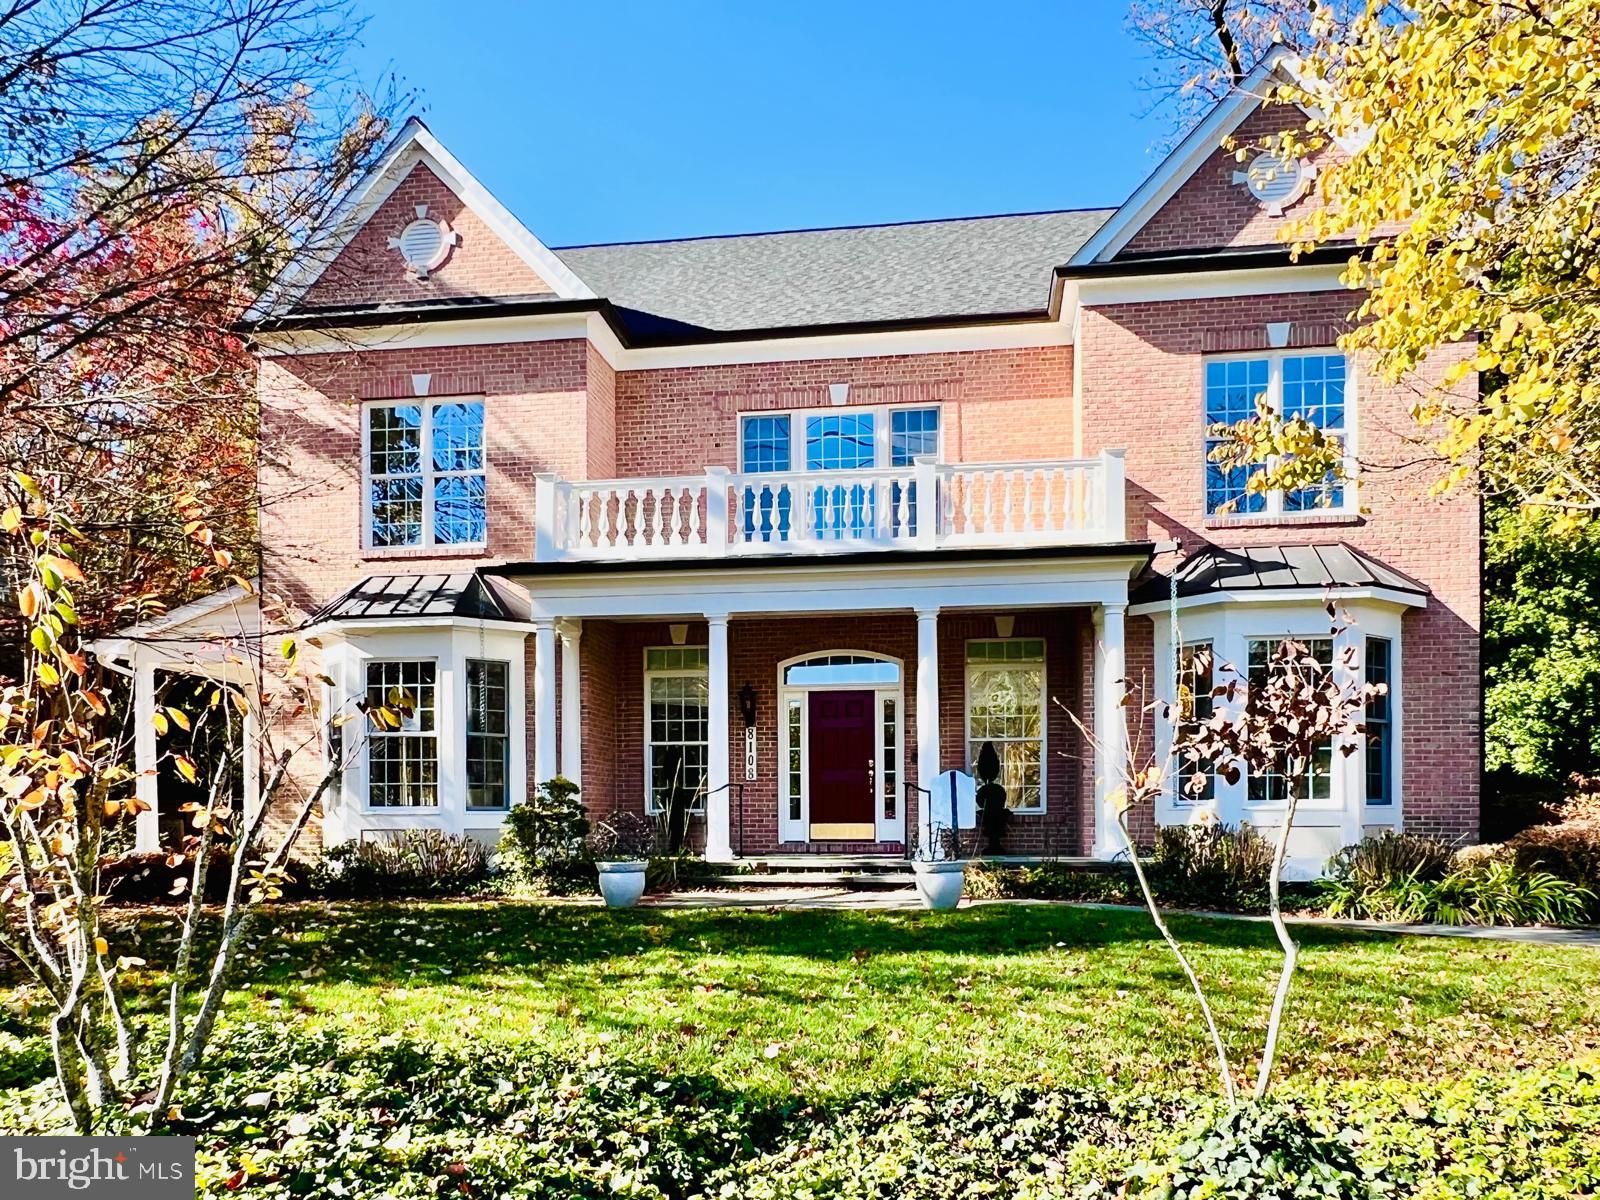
407 597
1271 568
1184 160
975 267
413 144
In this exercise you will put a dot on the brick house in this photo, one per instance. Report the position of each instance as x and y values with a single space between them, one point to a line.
798 521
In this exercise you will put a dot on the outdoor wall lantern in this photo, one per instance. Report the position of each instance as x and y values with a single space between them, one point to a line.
747 705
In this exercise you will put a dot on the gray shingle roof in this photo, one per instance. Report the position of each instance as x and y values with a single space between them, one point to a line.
972 267
1338 565
404 597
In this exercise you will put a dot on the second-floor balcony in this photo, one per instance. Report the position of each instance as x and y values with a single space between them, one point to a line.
928 505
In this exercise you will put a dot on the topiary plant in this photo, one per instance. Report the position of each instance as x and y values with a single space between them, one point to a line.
993 811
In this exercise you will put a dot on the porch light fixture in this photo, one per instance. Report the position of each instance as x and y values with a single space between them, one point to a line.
747 705
680 633
1004 625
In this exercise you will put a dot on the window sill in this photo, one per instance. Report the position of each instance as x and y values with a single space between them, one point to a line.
1260 520
402 553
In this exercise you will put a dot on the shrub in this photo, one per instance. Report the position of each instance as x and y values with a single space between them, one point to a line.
1390 857
542 843
626 837
1568 849
157 877
1482 886
415 862
1051 881
1211 865
1256 1150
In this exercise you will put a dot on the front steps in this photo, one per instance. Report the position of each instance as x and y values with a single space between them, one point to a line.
858 872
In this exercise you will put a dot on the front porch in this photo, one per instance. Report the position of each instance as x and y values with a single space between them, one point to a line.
810 713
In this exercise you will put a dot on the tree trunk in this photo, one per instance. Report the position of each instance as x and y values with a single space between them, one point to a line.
1291 949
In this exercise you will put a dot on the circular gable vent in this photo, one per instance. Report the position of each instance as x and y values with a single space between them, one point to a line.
423 245
1275 180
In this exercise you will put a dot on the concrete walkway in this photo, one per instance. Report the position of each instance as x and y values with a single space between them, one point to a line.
905 899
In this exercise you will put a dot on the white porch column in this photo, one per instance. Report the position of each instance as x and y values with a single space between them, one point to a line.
927 717
719 844
571 702
1110 721
544 700
147 825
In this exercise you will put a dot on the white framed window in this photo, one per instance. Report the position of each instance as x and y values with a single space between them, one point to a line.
403 763
1271 787
488 735
677 716
1006 706
426 483
1378 667
852 437
1312 385
1196 681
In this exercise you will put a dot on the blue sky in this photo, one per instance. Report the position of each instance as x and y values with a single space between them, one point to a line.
620 121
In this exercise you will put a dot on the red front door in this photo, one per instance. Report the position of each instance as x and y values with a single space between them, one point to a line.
843 746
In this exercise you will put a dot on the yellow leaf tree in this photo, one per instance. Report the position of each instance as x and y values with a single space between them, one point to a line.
1472 188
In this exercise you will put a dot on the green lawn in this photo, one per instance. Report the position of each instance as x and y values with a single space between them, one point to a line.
833 1004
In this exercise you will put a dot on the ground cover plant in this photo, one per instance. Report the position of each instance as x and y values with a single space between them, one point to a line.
1008 1050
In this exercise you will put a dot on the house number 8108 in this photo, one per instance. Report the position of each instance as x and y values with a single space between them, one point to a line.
750 752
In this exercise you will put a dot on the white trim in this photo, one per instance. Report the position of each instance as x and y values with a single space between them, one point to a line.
1288 279
1297 595
414 144
970 668
1349 432
885 829
543 327
1230 627
882 432
427 475
1185 159
450 645
815 586
703 672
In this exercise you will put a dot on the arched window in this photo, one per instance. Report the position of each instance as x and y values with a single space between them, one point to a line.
835 669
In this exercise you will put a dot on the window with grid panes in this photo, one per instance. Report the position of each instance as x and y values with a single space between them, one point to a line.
425 474
1310 387
1271 787
1006 706
488 735
677 717
403 763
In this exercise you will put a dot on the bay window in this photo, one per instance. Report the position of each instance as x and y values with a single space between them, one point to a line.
1271 787
488 735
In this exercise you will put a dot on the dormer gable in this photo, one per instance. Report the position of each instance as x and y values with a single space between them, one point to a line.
1203 197
419 228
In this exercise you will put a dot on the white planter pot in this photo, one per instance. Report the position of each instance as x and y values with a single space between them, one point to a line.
622 883
940 884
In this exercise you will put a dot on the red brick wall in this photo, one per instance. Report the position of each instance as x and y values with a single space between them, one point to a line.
757 646
535 419
1142 372
1209 210
368 270
999 404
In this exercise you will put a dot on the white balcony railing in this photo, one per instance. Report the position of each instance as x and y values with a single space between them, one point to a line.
929 505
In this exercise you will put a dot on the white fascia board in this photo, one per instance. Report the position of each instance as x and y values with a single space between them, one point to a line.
1308 595
414 144
488 331
818 589
1184 160
1203 285
484 331
339 629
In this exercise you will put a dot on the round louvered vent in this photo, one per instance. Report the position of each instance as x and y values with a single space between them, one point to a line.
1276 181
423 244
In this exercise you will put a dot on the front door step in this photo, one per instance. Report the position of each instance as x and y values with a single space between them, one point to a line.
853 880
